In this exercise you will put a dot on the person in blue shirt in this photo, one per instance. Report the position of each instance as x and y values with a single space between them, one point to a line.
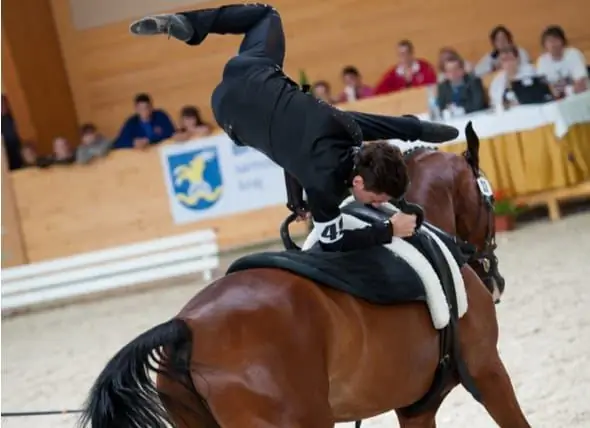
147 126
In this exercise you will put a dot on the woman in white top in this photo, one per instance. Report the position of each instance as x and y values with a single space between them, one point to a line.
501 38
562 65
511 69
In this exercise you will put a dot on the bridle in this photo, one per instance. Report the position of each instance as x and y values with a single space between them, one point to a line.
486 257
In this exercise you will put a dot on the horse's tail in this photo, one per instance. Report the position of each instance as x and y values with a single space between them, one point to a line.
472 152
124 395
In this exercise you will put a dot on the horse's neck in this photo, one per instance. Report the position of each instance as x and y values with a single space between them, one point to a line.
433 184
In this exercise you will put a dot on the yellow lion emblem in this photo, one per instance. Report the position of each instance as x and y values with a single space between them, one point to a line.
194 173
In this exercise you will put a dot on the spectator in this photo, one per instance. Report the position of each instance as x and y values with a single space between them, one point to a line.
447 53
29 155
511 69
62 152
563 66
411 72
93 144
147 126
500 38
191 125
354 89
322 90
10 137
460 89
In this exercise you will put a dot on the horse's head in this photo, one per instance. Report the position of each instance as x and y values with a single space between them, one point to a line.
474 216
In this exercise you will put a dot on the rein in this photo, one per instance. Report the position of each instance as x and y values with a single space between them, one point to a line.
41 413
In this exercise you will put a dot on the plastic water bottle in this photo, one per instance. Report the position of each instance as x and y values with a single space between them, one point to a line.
433 109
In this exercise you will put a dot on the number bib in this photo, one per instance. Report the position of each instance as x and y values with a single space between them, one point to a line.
330 231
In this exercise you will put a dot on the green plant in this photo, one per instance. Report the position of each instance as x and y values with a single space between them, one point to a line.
505 206
303 80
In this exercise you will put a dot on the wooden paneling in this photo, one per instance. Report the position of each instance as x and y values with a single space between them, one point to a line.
13 250
107 66
411 101
37 82
119 200
14 91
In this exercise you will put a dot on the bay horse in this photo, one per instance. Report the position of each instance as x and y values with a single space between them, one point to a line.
265 347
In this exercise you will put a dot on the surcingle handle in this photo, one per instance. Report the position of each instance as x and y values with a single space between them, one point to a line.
411 208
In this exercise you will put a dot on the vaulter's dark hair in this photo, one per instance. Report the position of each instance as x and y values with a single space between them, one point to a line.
382 167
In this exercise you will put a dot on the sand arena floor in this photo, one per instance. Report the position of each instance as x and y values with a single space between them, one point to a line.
50 358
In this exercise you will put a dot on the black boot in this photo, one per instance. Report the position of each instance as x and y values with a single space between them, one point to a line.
431 132
177 26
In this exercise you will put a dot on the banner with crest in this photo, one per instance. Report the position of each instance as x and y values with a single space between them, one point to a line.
213 177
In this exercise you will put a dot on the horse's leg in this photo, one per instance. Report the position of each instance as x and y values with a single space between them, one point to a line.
240 402
425 420
183 406
479 339
498 395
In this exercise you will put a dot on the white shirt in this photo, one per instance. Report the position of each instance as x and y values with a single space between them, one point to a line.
488 64
571 66
498 85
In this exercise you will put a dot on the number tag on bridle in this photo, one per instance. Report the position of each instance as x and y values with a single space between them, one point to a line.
485 187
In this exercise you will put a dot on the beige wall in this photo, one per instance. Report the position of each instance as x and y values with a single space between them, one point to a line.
94 13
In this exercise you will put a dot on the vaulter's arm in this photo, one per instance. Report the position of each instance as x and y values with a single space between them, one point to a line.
328 223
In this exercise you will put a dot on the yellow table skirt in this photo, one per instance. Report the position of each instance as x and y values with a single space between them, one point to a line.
534 161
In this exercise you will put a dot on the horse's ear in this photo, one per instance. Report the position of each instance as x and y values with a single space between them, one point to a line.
472 152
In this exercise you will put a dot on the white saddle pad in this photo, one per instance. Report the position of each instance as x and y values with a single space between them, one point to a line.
435 298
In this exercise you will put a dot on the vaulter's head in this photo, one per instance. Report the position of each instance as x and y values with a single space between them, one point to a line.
380 173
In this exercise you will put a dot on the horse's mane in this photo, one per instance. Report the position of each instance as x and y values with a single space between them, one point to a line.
411 152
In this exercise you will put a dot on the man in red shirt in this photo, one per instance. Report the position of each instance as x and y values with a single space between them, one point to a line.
410 72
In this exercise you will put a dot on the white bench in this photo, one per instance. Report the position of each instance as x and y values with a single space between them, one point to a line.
110 269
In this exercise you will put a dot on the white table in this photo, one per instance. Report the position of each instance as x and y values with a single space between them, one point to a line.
562 114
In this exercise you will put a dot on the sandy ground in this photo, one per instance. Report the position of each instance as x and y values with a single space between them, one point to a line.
49 359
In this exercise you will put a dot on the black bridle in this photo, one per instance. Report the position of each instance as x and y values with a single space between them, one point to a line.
486 257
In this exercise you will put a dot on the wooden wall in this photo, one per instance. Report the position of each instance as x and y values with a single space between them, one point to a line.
33 73
107 66
13 249
118 200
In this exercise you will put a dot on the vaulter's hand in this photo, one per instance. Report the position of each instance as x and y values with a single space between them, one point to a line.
302 215
404 225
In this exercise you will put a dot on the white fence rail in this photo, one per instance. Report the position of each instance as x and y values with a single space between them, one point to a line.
110 269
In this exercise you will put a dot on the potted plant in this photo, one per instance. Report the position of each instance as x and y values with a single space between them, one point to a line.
505 212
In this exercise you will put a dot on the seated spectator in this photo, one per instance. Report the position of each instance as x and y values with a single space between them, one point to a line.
447 53
93 144
354 89
564 66
147 126
460 89
29 155
191 125
411 72
10 137
322 90
500 38
511 69
62 152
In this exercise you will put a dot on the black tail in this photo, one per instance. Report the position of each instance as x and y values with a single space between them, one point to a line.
472 153
124 395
